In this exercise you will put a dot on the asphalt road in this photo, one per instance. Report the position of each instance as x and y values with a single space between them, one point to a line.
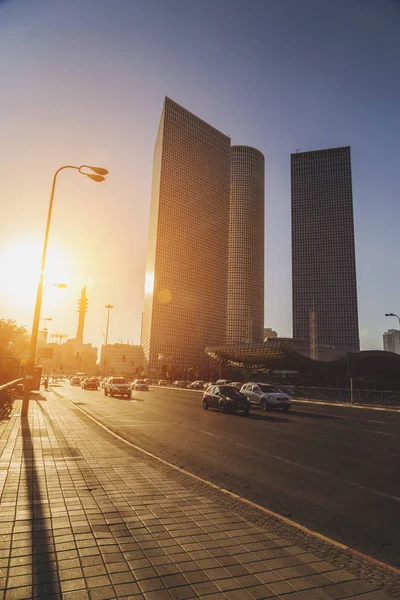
333 469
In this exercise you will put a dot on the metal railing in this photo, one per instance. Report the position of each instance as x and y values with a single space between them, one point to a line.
9 391
382 398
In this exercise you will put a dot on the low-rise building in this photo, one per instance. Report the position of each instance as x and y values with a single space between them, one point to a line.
391 341
126 360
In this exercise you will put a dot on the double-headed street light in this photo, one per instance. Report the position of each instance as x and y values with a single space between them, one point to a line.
393 315
97 174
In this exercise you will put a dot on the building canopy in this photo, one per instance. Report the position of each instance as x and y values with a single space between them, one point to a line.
282 354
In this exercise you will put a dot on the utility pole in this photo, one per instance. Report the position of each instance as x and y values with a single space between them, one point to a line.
108 307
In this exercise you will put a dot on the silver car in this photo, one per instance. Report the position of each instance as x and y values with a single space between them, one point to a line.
266 396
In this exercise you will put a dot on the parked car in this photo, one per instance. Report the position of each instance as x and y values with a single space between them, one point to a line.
140 385
117 386
90 383
223 382
225 398
237 384
196 385
150 382
207 385
76 381
180 384
164 383
266 396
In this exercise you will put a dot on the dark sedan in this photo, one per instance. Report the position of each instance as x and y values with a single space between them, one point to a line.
226 399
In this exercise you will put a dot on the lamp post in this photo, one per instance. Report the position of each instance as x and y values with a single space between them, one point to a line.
97 174
393 315
108 307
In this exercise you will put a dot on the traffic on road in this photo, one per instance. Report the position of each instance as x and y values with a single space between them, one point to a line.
333 469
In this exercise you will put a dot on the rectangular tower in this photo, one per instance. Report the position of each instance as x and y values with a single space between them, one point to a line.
186 273
323 252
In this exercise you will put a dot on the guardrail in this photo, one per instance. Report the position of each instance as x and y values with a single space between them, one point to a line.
9 391
383 398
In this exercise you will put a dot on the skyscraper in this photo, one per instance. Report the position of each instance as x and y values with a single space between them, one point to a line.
186 272
245 318
323 253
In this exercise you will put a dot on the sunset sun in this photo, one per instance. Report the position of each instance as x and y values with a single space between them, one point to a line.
20 269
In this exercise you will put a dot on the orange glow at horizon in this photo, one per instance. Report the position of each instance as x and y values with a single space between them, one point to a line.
20 269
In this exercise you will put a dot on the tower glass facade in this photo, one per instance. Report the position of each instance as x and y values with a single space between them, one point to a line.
245 318
186 271
323 252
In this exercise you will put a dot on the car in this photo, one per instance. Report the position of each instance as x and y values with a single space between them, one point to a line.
140 385
196 385
76 381
223 382
266 396
207 385
225 398
164 383
117 386
90 383
180 384
237 384
150 382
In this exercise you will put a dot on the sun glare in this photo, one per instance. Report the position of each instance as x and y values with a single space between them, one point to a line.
149 283
20 269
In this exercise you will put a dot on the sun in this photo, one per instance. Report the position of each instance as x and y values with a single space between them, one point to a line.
20 269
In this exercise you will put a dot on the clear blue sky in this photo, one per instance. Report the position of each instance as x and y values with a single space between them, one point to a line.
84 81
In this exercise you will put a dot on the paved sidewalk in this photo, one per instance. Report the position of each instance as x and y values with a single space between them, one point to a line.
80 518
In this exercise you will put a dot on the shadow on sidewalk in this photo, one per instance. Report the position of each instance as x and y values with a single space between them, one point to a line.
44 569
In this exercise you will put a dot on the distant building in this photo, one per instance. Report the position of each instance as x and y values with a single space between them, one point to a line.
269 333
391 341
68 358
126 360
186 273
323 252
245 316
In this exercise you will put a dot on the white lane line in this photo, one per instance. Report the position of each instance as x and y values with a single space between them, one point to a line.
371 421
381 433
373 491
320 472
208 433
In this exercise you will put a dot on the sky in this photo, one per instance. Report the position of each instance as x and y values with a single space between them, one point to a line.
83 82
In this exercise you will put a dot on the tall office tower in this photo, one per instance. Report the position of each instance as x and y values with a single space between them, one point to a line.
323 254
186 272
245 317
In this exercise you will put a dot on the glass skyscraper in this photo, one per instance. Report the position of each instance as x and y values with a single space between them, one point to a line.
186 272
245 319
323 251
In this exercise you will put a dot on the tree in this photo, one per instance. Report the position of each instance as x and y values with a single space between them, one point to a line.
14 339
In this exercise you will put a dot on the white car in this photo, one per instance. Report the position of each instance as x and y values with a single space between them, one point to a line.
266 396
140 385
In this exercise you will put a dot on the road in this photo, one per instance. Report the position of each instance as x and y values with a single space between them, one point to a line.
332 469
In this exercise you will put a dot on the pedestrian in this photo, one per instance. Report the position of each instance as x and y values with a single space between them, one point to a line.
46 383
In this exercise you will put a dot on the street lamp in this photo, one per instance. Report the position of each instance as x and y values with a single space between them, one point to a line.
108 307
97 174
393 315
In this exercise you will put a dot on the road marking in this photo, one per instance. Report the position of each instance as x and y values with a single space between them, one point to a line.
320 472
373 491
381 433
266 511
208 433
